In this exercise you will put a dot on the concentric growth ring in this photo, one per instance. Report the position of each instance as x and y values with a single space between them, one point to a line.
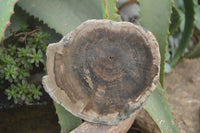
104 69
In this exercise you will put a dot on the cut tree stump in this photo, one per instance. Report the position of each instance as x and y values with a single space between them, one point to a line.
103 71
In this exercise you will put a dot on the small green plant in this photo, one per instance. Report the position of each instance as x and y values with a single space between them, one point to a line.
18 61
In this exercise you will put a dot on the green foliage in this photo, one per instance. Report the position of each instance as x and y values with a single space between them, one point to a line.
12 93
21 19
158 108
36 91
157 20
187 33
6 9
10 72
64 16
36 57
175 21
197 14
19 60
158 23
195 52
110 10
66 120
23 92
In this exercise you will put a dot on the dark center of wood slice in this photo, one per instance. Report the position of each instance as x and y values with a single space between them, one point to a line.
112 68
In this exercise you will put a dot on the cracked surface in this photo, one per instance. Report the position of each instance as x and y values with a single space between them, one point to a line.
103 71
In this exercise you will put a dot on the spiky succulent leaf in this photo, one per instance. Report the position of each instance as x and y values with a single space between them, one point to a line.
155 16
63 15
195 52
158 108
187 33
110 10
6 9
175 20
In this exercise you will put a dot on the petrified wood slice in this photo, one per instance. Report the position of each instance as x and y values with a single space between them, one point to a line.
121 127
103 71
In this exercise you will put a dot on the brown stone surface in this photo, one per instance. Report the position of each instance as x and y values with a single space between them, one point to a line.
103 71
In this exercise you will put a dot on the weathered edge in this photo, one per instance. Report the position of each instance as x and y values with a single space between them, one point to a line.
88 127
156 61
51 88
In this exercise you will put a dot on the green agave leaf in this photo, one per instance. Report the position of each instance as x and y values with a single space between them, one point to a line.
155 16
187 33
197 14
53 36
158 108
110 10
63 15
6 10
22 18
66 120
175 21
195 52
17 20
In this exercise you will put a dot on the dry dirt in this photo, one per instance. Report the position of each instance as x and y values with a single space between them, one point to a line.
183 92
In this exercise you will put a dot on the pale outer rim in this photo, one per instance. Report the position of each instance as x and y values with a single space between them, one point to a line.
51 88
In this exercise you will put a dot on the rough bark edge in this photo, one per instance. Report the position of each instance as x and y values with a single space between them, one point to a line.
88 127
59 95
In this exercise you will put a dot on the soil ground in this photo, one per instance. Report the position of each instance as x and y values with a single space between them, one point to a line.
183 92
29 119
